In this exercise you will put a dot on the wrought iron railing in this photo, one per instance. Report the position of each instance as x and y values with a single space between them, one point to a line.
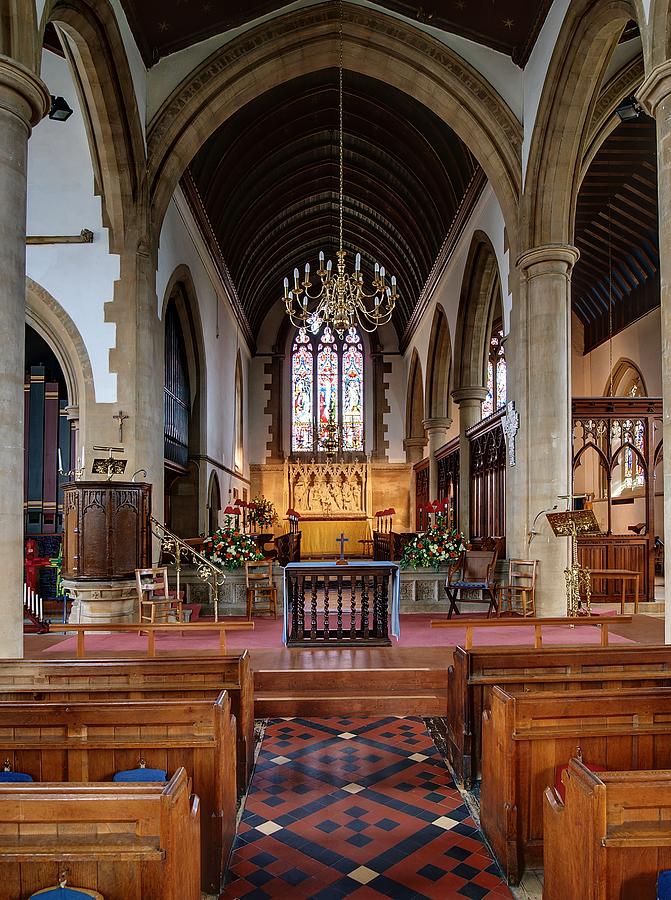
181 552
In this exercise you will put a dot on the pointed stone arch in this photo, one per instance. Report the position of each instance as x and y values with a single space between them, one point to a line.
94 48
213 503
480 296
304 41
625 374
239 423
589 34
439 367
415 437
45 314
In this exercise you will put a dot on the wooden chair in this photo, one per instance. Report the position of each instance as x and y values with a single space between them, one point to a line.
261 592
474 572
154 595
519 594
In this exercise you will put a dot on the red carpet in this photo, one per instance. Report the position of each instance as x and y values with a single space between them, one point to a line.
267 634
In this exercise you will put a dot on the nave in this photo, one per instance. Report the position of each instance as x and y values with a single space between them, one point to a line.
356 807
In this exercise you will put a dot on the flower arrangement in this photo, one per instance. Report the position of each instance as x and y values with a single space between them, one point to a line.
261 512
440 543
231 548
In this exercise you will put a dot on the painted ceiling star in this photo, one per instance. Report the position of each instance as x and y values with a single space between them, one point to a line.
163 26
460 4
508 23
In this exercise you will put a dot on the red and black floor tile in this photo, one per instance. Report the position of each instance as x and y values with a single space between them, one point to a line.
359 808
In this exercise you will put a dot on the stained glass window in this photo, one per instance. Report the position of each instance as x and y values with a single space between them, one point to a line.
327 385
352 392
302 438
496 376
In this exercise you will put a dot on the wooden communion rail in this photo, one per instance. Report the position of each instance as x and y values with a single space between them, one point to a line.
602 622
150 630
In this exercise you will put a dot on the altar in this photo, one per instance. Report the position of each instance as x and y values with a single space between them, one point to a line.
328 603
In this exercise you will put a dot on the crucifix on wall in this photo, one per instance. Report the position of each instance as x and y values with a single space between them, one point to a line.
121 416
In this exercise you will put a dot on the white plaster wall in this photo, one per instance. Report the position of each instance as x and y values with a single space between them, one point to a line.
180 244
641 342
396 397
535 73
260 421
137 68
486 217
497 68
61 201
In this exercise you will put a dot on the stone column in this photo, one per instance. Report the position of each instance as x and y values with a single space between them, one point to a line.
469 401
24 100
414 449
545 426
436 432
655 95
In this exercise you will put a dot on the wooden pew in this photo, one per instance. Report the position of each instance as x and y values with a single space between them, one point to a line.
610 838
474 672
90 741
525 737
128 841
186 677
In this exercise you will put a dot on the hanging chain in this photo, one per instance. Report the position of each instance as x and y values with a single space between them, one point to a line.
340 68
610 304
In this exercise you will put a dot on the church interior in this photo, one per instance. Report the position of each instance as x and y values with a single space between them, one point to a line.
333 394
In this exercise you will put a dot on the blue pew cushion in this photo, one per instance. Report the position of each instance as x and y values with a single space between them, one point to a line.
7 775
664 885
66 893
141 774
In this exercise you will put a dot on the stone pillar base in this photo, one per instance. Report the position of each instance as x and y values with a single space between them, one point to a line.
98 602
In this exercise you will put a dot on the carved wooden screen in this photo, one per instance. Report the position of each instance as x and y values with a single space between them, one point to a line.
176 392
617 448
421 491
448 477
488 478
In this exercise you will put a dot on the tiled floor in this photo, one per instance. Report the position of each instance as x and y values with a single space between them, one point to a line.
356 808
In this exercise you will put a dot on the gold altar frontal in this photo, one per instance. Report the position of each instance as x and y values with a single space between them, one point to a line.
319 536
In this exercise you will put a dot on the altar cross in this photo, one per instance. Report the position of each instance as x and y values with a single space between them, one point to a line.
342 540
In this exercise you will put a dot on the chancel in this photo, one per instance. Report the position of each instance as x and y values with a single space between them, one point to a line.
334 388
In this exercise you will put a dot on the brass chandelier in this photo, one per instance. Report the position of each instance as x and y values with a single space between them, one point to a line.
341 300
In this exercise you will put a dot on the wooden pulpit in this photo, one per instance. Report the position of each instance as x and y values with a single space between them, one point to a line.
106 530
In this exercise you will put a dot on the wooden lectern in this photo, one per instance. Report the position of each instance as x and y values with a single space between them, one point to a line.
571 524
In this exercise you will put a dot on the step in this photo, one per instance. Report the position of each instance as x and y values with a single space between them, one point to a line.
346 680
277 704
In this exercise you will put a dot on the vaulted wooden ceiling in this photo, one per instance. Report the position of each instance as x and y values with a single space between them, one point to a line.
268 179
164 26
616 279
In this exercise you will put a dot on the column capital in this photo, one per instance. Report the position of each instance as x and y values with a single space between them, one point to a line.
656 88
22 92
548 259
472 394
437 423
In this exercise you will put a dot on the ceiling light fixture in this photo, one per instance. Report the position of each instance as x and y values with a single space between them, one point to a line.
341 301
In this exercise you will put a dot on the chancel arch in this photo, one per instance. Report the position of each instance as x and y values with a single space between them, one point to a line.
626 380
307 41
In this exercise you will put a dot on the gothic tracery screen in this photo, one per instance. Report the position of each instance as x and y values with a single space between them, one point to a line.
327 385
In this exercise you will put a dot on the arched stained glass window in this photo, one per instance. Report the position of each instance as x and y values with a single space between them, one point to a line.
302 439
327 390
352 392
496 376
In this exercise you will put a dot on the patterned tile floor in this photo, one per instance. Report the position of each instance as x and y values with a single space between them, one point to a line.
356 808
